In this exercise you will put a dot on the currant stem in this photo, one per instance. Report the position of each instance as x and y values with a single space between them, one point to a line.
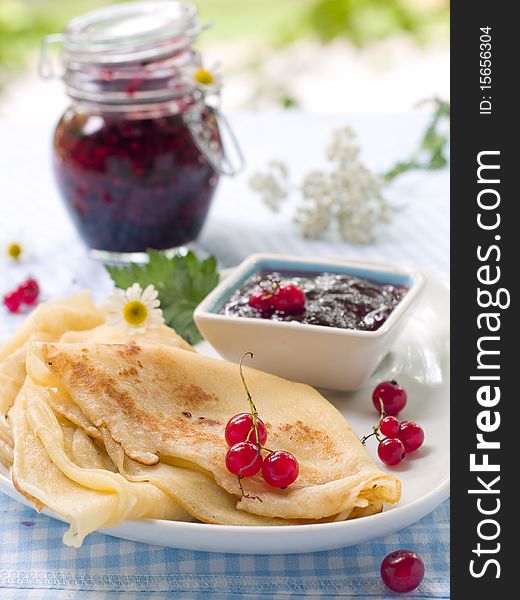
375 428
366 437
254 414
383 414
260 446
375 432
274 286
252 406
244 494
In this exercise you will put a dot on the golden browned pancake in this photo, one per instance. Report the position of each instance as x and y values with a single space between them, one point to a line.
162 403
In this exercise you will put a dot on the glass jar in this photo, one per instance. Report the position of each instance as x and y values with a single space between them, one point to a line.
138 154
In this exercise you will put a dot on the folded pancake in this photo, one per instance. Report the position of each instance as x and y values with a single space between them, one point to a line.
161 335
199 495
194 490
77 468
47 322
57 466
71 319
161 403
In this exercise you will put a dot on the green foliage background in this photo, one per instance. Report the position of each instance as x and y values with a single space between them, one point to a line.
23 23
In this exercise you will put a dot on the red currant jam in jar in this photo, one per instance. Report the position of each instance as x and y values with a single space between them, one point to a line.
138 154
132 184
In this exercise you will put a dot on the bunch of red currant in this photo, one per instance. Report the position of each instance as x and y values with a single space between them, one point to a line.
26 294
246 435
396 438
286 298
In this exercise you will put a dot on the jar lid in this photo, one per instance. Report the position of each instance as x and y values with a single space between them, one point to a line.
130 32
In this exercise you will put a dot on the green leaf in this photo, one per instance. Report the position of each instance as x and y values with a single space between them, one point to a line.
181 281
431 153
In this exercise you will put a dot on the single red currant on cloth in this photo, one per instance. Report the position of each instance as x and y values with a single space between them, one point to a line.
412 436
30 291
402 571
391 451
244 459
392 395
289 299
13 301
240 428
280 469
26 294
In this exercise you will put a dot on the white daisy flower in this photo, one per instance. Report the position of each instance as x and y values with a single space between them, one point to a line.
134 310
14 249
208 81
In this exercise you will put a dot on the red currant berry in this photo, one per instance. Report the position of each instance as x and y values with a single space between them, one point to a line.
240 429
262 301
13 301
402 571
389 427
29 290
243 459
393 396
391 451
412 436
280 469
289 299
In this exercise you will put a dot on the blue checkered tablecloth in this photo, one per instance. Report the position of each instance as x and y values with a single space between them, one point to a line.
34 564
33 557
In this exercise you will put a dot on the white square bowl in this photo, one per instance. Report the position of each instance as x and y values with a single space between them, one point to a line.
327 357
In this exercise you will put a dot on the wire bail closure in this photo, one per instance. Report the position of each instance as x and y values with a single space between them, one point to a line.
222 163
46 67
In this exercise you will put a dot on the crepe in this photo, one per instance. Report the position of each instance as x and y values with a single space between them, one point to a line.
47 322
161 335
12 376
164 404
6 443
192 494
48 443
195 491
71 319
57 466
47 460
55 482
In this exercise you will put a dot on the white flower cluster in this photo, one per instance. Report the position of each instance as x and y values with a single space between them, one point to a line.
347 197
274 185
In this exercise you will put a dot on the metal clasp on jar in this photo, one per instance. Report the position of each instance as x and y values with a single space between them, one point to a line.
218 156
46 65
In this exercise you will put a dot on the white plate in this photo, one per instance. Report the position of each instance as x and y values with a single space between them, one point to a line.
420 359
